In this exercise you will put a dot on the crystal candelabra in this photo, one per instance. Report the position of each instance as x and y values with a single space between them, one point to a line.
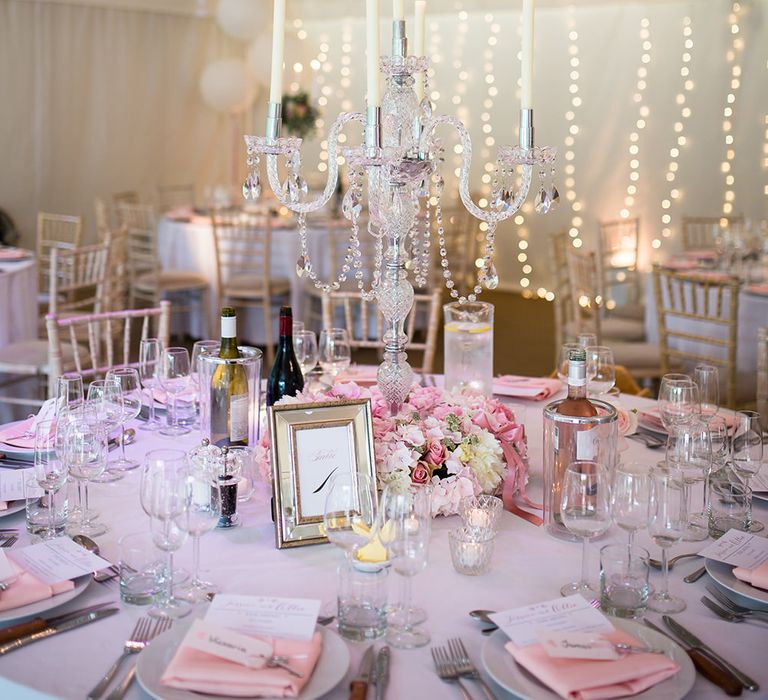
399 167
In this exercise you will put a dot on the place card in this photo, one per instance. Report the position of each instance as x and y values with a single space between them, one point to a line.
57 560
578 645
6 568
739 549
572 614
227 644
12 483
293 618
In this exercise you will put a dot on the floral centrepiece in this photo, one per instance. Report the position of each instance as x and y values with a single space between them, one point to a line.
461 444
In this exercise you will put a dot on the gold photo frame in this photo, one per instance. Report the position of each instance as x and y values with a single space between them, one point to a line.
311 443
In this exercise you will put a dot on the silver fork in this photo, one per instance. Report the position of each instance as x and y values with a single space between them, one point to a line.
122 687
9 541
465 667
133 645
447 671
722 612
735 607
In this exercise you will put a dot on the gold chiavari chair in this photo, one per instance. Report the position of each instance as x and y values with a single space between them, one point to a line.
136 215
55 231
174 196
102 214
702 232
127 197
698 315
618 244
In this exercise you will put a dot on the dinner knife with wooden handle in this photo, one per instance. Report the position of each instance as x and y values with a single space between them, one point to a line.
38 624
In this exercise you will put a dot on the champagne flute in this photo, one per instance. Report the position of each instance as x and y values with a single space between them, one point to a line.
586 512
678 400
350 511
174 375
130 391
707 379
69 391
335 351
150 351
630 496
748 456
406 528
601 369
105 400
305 347
667 523
564 359
51 470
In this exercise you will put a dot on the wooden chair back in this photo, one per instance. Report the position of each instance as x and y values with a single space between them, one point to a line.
617 259
762 375
78 279
365 324
118 271
174 196
101 211
702 232
243 247
698 321
111 339
586 299
127 197
55 231
141 253
136 215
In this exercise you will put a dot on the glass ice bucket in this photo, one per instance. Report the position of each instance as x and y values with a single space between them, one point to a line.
571 438
250 360
469 346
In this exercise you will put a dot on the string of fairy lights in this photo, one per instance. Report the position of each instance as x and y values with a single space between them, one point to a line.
733 58
571 117
681 140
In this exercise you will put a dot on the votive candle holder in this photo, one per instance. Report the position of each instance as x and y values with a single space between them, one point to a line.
481 512
471 550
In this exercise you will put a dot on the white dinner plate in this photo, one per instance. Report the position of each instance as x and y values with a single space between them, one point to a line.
330 669
722 574
27 453
13 507
512 677
760 495
35 609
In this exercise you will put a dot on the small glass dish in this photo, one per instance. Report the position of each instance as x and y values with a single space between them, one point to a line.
471 550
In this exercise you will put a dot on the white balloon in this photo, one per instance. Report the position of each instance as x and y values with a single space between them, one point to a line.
260 57
227 86
244 19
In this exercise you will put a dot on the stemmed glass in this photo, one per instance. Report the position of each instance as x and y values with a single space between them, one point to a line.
678 401
748 456
630 496
127 379
335 351
51 470
707 378
164 497
350 511
667 522
586 512
719 438
202 512
200 348
105 399
405 519
150 351
601 369
585 340
565 356
174 375
305 347
69 391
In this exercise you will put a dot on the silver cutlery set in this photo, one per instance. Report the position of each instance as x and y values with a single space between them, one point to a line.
452 663
374 669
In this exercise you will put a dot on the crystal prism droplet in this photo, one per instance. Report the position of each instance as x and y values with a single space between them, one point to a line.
350 205
247 186
490 278
255 186
542 202
554 196
302 266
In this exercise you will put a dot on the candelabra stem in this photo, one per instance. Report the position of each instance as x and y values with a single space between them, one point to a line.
526 128
274 119
373 129
399 39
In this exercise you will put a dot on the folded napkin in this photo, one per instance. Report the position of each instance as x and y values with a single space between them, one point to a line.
28 589
651 419
14 253
187 396
363 375
761 288
14 435
536 388
757 577
191 669
583 679
680 264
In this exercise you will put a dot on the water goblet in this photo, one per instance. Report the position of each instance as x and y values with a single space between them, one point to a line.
601 369
350 511
720 440
586 512
150 352
174 375
130 390
69 391
335 351
564 359
747 454
51 470
707 378
678 400
667 522
305 347
630 496
105 402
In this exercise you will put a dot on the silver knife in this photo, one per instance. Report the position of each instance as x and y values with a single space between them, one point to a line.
56 629
359 686
381 672
690 638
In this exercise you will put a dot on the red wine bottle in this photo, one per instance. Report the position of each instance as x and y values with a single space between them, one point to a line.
285 378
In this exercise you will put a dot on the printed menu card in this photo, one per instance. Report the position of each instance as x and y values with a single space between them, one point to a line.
57 560
739 549
292 618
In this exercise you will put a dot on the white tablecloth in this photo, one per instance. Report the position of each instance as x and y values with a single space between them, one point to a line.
528 566
189 246
753 313
18 301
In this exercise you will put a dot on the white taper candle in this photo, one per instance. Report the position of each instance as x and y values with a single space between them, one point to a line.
398 10
278 44
373 98
526 101
418 42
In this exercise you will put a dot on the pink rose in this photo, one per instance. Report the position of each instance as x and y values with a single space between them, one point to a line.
436 453
348 390
420 474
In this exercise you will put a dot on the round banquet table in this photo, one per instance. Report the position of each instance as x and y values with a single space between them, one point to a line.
18 301
528 566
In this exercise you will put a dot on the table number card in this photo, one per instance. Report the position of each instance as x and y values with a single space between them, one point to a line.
57 560
294 618
739 549
12 483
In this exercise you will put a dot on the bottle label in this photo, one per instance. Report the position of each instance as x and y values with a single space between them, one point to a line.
228 327
238 418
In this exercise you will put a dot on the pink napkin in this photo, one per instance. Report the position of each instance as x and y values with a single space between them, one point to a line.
363 375
757 577
27 589
761 288
187 396
583 679
680 264
12 434
14 253
652 420
535 388
197 671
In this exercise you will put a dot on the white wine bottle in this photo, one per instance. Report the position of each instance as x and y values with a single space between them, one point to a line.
229 390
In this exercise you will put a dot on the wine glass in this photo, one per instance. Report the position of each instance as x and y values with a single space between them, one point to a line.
150 351
350 511
586 512
748 456
707 378
51 470
335 351
667 522
405 529
565 356
200 348
105 399
201 514
174 376
630 496
585 340
601 369
69 391
678 400
305 347
130 390
719 438
164 497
